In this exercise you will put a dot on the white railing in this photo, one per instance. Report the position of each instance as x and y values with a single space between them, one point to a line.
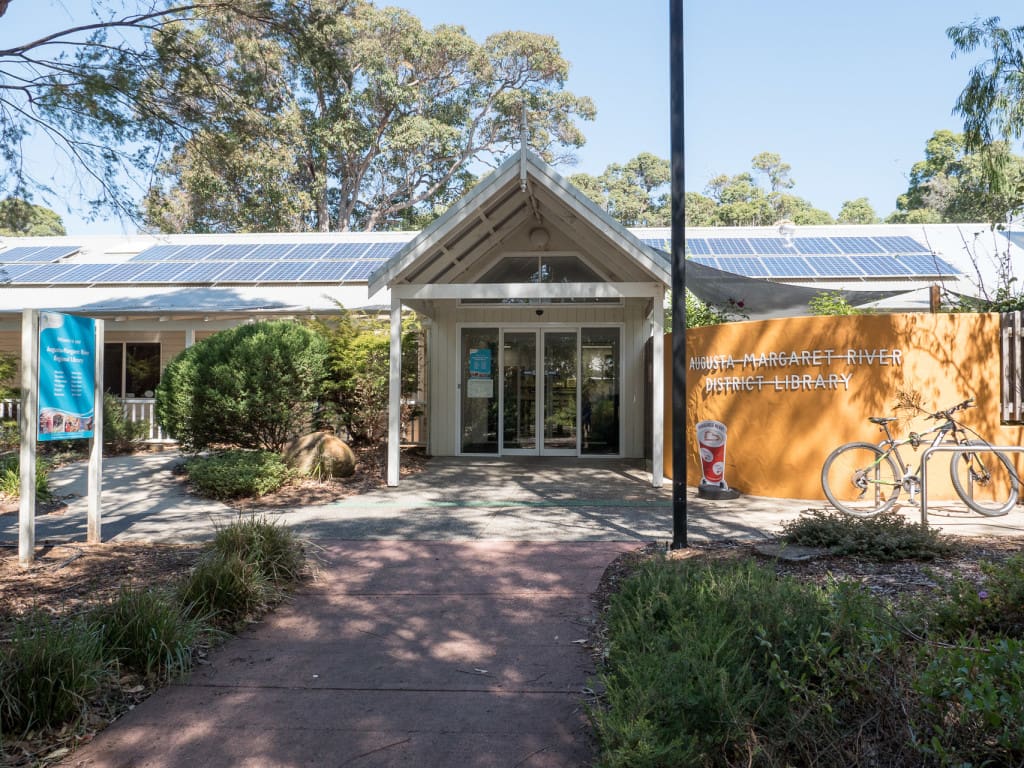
135 409
144 409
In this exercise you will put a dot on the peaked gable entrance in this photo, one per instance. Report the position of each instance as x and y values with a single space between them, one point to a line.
529 268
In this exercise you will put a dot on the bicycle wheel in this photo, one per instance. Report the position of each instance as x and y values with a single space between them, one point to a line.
860 479
986 480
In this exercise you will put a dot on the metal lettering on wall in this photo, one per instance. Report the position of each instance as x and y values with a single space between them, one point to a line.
724 369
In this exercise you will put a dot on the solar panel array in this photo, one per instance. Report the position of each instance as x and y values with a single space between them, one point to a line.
36 254
815 257
212 264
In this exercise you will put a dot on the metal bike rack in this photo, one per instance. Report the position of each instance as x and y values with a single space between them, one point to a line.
946 448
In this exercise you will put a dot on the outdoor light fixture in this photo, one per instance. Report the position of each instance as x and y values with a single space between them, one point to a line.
539 238
119 319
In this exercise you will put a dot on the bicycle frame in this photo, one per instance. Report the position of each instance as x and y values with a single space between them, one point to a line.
947 432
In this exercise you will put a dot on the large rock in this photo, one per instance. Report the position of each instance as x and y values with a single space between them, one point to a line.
321 453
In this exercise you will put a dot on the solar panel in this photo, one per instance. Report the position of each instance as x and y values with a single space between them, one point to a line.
203 272
857 245
244 271
769 245
233 252
42 273
9 273
661 243
928 265
329 271
52 253
833 266
270 251
157 253
739 265
345 251
122 273
308 251
729 246
1017 238
81 273
901 244
881 266
20 253
698 246
166 272
286 272
381 250
787 266
363 269
815 246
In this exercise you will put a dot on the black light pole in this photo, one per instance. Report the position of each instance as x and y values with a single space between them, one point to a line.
678 278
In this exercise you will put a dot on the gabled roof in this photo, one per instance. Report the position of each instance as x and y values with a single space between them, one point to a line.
523 193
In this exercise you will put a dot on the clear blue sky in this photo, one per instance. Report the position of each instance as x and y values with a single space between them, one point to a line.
846 93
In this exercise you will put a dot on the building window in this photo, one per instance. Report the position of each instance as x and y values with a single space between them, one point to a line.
131 369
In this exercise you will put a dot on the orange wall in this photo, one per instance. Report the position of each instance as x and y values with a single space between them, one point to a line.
782 426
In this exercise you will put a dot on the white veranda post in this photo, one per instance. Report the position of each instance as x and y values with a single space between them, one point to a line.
395 393
658 391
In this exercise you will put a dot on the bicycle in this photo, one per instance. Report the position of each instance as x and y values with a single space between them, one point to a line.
865 479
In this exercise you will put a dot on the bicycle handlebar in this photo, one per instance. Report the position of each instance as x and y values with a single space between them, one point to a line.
948 412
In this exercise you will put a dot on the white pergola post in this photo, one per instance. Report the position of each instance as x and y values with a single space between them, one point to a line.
658 392
94 533
395 393
29 419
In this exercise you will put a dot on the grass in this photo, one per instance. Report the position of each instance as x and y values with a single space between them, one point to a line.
725 662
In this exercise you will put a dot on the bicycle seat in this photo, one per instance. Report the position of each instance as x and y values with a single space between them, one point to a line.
882 419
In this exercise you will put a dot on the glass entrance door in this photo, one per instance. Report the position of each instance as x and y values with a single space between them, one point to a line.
539 372
519 376
561 390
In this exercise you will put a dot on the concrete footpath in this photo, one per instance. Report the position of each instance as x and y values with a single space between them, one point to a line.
446 627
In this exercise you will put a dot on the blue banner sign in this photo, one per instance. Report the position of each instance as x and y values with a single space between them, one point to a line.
67 376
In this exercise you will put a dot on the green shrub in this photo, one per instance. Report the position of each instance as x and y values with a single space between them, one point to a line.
272 547
355 401
725 663
886 537
148 632
971 710
995 607
226 589
120 434
253 386
10 477
238 474
48 671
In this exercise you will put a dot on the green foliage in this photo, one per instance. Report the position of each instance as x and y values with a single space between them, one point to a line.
635 194
994 607
699 314
249 564
237 474
739 200
857 211
48 671
253 386
957 184
723 663
355 399
148 632
970 710
833 303
885 537
20 218
273 547
8 374
226 589
120 434
10 477
319 115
